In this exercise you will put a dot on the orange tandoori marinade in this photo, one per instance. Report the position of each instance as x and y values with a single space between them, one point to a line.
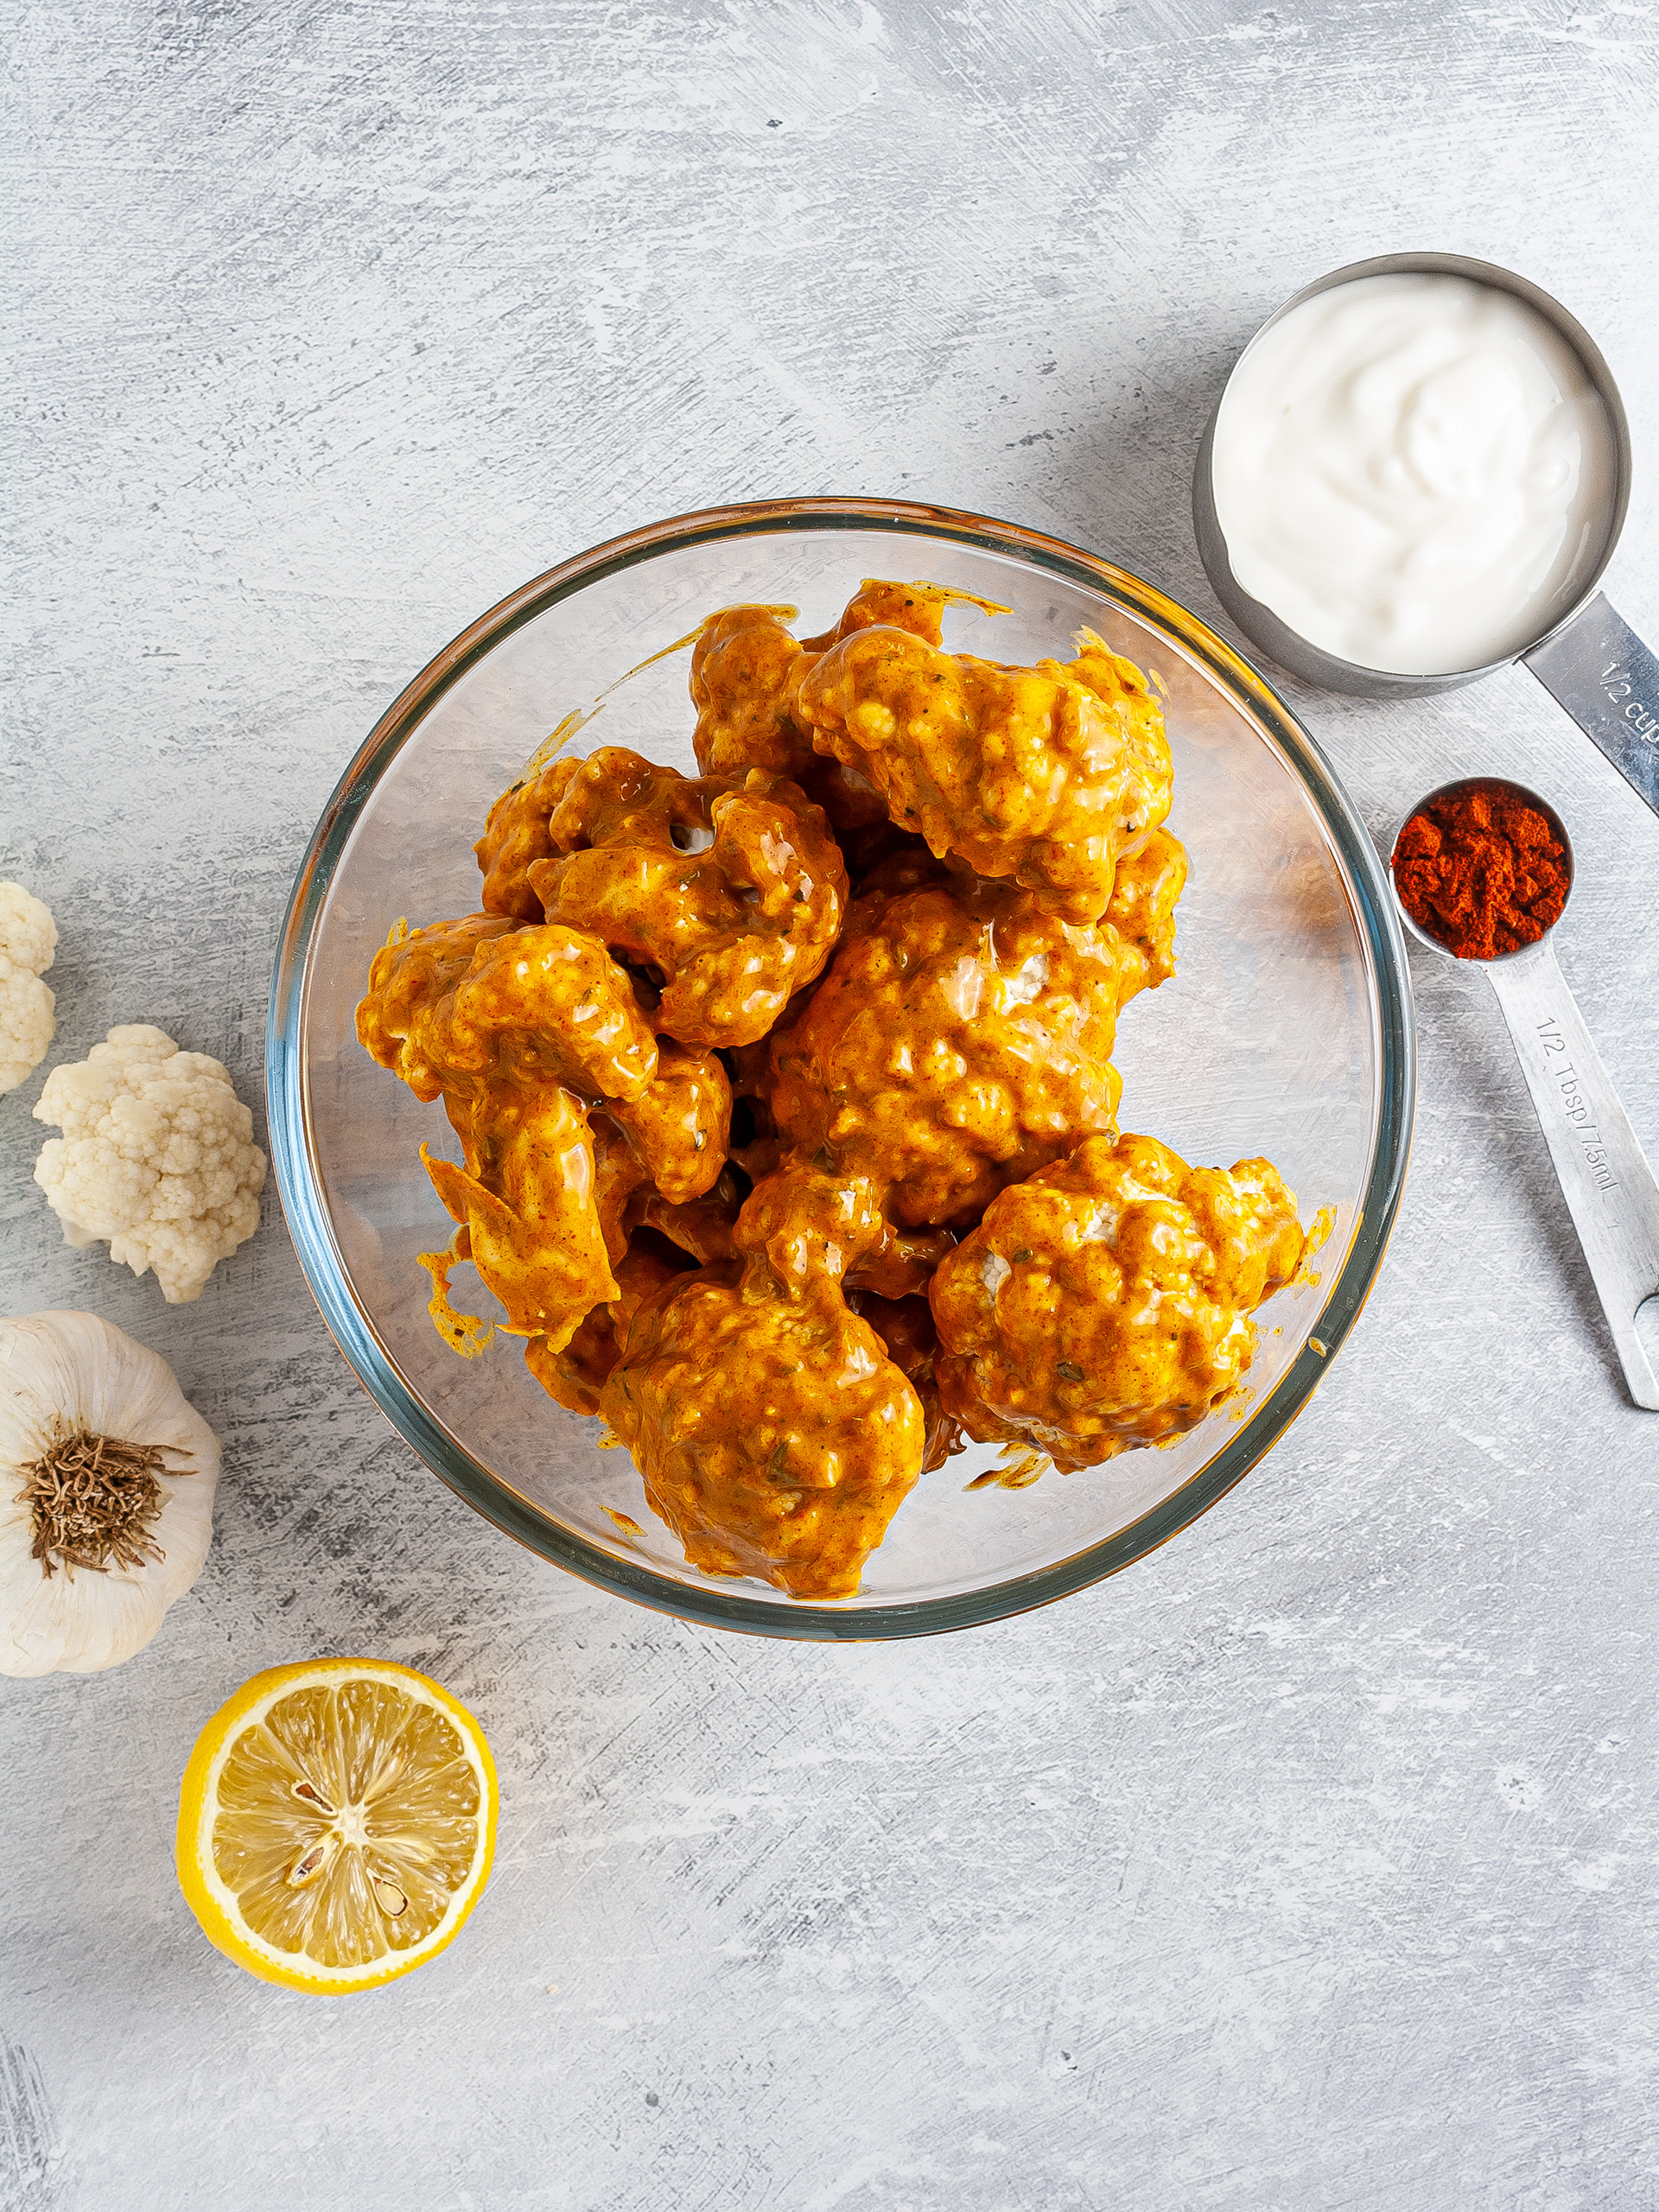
784 1092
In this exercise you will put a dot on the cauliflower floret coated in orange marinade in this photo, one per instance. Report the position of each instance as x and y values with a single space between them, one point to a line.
785 1096
775 1435
520 1031
1027 773
961 1039
1105 1302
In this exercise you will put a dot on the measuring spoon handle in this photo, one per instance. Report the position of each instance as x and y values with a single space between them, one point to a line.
1608 681
1609 1187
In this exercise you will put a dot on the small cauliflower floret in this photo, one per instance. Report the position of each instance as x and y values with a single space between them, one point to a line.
155 1159
775 1436
1151 876
1105 1302
551 1188
525 1199
28 938
1122 689
917 607
1027 773
747 673
744 671
680 1128
728 893
28 935
747 668
442 1002
515 834
962 1038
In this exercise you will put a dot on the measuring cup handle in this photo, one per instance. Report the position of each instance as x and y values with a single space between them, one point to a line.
1608 681
1608 1185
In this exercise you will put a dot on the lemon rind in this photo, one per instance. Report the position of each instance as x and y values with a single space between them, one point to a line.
215 1904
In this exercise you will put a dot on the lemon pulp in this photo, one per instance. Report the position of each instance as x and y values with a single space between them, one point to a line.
337 1823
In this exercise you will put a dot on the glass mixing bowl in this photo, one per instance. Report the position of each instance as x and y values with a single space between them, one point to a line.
1287 1031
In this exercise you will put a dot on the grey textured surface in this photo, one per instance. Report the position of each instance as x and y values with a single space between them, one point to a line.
1308 1865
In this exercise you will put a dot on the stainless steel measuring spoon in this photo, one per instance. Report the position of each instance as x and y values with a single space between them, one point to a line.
1590 660
1611 1191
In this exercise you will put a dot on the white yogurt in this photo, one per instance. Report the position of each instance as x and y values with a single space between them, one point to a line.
1414 472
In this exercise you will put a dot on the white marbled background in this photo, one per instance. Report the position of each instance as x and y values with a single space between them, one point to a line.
1308 1865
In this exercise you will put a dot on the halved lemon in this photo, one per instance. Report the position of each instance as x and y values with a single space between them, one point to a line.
336 1823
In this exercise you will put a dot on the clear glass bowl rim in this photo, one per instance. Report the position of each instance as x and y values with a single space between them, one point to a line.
300 1190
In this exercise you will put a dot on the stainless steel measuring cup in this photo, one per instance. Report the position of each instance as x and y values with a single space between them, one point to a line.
1611 1191
1590 660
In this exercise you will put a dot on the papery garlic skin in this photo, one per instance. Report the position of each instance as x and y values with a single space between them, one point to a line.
72 1371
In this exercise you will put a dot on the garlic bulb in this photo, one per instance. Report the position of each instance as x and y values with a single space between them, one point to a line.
107 1475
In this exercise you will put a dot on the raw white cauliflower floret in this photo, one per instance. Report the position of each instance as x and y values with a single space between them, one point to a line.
28 937
155 1158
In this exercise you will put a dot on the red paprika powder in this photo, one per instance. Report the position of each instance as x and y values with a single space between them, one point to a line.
1481 870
